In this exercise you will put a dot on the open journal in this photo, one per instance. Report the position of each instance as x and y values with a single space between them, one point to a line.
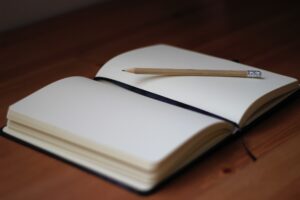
140 129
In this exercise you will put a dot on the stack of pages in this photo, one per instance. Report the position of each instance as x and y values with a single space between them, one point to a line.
140 129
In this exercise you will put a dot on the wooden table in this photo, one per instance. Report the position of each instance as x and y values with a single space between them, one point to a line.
259 33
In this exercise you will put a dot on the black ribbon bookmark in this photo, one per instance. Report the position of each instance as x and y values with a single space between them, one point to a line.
247 150
179 104
165 99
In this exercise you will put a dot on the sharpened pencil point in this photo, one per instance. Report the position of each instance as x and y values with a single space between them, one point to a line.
130 70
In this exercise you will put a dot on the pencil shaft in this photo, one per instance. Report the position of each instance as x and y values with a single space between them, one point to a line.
195 72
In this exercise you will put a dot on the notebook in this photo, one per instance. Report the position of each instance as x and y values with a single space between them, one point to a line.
140 129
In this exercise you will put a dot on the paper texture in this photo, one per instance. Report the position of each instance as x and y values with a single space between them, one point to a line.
110 120
227 97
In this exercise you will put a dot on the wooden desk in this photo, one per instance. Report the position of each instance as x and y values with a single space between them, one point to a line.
263 34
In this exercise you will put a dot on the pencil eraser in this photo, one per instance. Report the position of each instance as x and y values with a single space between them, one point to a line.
254 74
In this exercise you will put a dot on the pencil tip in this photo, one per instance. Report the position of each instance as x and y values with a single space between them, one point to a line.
127 70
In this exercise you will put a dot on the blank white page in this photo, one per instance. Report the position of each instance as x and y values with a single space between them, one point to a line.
228 97
109 119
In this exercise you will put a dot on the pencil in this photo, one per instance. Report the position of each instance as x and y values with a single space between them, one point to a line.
195 72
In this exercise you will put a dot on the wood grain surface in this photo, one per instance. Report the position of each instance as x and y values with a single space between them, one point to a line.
264 34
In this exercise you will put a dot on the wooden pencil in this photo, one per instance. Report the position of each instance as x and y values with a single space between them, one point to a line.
195 72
